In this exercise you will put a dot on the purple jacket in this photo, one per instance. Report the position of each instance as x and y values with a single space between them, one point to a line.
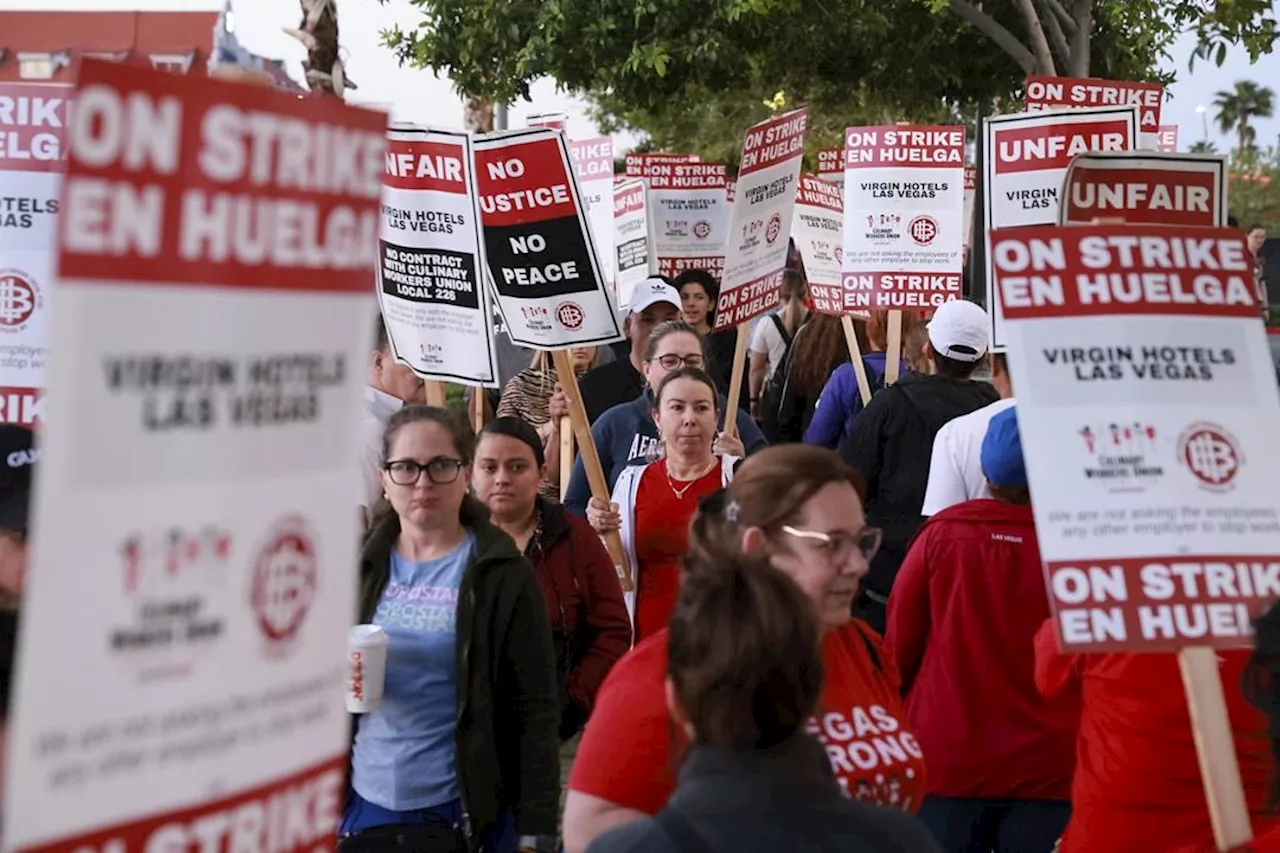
840 401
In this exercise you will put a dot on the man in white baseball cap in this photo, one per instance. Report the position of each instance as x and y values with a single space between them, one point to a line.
653 301
891 441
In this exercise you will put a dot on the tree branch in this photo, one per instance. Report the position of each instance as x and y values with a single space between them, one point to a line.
1062 16
1039 44
1057 39
995 31
1082 12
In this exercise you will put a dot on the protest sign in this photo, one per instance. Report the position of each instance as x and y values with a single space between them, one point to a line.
543 264
817 229
33 121
904 216
1147 98
1146 188
831 165
434 303
1025 158
593 166
1167 138
688 217
730 191
1147 409
759 232
635 262
644 165
208 354
553 121
970 198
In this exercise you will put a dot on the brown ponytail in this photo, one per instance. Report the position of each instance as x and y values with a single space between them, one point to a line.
744 655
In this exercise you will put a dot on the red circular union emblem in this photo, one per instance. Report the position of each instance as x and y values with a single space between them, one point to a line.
285 575
570 315
702 229
775 228
1211 454
923 229
18 298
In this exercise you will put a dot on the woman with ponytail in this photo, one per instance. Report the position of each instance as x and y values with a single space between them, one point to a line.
799 508
744 676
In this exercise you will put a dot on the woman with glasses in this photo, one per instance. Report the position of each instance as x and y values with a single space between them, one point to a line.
627 435
799 506
962 623
652 504
464 746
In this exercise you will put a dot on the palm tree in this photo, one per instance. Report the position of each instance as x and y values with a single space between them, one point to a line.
1203 146
318 33
1238 107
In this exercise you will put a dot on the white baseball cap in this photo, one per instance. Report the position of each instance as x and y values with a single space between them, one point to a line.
960 330
651 291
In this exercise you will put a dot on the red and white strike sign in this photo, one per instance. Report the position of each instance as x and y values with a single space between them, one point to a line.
1045 92
1146 188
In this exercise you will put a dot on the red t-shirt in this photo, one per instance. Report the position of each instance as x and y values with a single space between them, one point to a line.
626 756
1137 784
661 539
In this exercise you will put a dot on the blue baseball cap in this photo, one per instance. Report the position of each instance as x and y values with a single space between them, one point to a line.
1002 460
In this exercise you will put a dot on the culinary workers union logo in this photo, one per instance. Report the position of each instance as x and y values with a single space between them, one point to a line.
1212 455
19 299
285 576
702 229
775 228
923 229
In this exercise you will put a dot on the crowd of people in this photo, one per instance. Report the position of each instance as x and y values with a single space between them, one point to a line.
836 636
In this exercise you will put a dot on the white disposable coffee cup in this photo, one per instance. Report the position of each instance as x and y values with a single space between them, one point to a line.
366 667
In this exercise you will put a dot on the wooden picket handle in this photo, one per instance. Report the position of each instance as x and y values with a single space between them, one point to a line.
1215 747
855 357
893 358
566 454
591 459
735 383
477 409
435 393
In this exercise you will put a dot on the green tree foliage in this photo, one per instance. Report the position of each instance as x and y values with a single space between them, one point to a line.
1238 107
1254 189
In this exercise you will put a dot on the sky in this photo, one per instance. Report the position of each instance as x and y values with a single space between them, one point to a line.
419 97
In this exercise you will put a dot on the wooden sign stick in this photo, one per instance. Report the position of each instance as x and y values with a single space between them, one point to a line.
591 459
1215 747
735 384
893 358
855 357
566 454
477 409
435 393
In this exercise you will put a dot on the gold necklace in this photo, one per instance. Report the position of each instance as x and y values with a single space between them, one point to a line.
679 493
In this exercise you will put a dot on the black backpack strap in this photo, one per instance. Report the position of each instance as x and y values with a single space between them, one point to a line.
682 833
782 329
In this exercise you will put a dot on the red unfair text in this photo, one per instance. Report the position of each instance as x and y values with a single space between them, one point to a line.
889 290
194 180
33 127
1044 92
298 814
592 158
819 193
522 182
1036 149
920 147
1122 269
426 166
689 176
1160 603
1149 196
775 141
628 200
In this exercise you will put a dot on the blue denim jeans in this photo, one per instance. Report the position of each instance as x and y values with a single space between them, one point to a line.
1003 826
362 814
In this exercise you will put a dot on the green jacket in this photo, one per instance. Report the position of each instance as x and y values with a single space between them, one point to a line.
508 707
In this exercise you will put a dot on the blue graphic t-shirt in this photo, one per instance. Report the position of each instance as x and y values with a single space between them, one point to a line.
404 756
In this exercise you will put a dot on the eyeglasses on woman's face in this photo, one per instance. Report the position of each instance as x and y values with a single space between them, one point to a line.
837 548
671 361
441 470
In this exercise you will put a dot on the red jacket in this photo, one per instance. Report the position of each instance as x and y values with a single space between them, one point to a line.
589 621
962 621
1137 784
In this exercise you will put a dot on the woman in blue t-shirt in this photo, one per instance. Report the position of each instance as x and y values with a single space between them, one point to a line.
465 741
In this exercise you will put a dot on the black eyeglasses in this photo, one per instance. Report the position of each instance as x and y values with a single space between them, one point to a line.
441 470
839 547
671 361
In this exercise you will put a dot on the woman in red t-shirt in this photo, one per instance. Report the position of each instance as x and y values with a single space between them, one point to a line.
652 504
800 505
